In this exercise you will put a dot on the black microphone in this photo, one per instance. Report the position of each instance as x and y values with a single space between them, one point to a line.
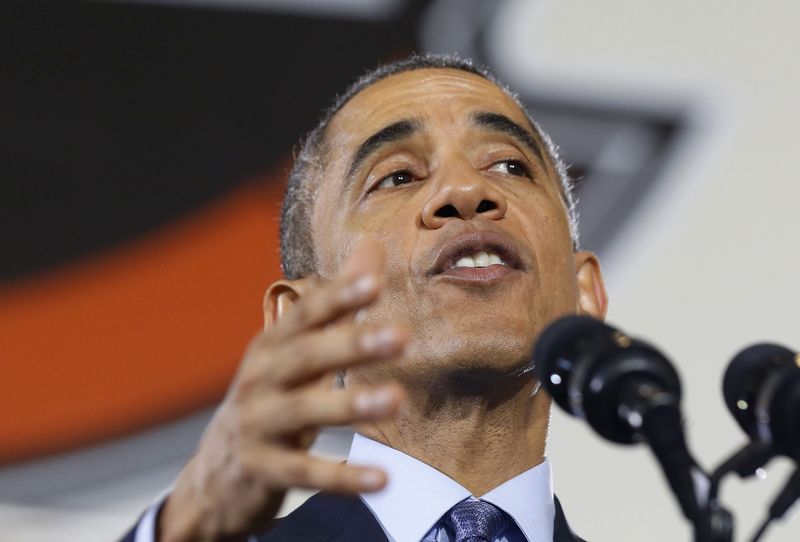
628 392
761 387
595 372
754 390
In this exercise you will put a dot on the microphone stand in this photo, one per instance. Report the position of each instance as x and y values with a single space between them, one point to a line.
745 463
656 417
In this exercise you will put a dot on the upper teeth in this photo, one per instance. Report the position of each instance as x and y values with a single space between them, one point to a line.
479 259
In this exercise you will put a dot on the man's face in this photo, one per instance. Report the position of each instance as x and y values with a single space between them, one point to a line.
444 169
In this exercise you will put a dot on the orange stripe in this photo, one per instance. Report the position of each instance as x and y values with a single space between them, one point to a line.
138 335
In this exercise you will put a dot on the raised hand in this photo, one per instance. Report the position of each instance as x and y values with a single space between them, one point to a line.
256 445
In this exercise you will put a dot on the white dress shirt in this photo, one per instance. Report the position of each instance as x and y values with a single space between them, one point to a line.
410 507
416 496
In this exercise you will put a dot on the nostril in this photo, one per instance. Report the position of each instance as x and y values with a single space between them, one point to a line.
486 205
446 211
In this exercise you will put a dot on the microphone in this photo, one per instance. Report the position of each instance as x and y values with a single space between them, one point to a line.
761 387
595 372
757 388
628 392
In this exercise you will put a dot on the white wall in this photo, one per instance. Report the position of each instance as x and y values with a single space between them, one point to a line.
704 271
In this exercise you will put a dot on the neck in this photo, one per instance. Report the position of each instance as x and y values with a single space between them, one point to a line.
478 434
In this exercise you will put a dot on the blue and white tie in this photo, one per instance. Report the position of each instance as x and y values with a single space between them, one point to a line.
476 521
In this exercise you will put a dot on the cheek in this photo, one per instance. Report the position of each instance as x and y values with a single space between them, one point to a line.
557 275
336 234
392 222
398 241
546 231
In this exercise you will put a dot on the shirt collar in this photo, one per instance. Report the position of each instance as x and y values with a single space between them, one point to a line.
528 498
417 495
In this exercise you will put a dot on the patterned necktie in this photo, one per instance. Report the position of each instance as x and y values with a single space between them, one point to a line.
476 521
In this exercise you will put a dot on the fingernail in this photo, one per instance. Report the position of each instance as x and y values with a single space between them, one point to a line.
374 402
362 287
381 342
371 478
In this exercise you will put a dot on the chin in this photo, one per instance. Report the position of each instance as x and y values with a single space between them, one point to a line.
499 354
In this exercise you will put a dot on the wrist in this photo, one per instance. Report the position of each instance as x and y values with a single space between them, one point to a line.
187 515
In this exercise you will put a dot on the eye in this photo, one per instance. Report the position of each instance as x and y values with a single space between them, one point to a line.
395 179
516 168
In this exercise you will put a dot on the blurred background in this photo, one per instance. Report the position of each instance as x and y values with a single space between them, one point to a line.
144 146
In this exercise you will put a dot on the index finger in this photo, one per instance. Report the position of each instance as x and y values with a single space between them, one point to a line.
357 284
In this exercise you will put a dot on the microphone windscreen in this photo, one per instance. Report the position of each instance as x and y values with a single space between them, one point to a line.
554 350
745 376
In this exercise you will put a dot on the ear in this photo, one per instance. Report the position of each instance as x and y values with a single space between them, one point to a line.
281 296
592 297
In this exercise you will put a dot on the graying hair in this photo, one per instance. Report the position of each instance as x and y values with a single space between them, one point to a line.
297 244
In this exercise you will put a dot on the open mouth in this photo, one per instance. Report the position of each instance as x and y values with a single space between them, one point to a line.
477 256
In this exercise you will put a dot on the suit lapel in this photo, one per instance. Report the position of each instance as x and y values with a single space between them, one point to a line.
328 518
561 530
362 527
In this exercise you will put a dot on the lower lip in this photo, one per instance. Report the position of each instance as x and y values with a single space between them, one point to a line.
493 273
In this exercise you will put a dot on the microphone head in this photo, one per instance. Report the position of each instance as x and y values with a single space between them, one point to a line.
590 369
745 377
556 351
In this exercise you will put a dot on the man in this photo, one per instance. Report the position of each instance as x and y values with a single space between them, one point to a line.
427 237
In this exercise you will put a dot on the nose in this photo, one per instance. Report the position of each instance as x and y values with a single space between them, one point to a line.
463 196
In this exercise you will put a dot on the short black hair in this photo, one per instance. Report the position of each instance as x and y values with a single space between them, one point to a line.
297 244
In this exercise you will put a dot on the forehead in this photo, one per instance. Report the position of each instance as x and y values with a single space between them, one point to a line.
445 94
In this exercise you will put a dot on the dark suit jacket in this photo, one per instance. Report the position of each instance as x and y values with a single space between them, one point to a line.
330 518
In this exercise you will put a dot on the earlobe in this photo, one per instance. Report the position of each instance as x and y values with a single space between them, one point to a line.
280 297
592 297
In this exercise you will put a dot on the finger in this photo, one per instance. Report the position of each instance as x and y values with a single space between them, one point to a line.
290 468
311 355
357 284
275 416
325 305
367 256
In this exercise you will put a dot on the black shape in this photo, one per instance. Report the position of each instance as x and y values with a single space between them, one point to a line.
117 118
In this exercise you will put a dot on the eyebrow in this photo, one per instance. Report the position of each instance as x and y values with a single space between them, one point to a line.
500 123
405 128
396 131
